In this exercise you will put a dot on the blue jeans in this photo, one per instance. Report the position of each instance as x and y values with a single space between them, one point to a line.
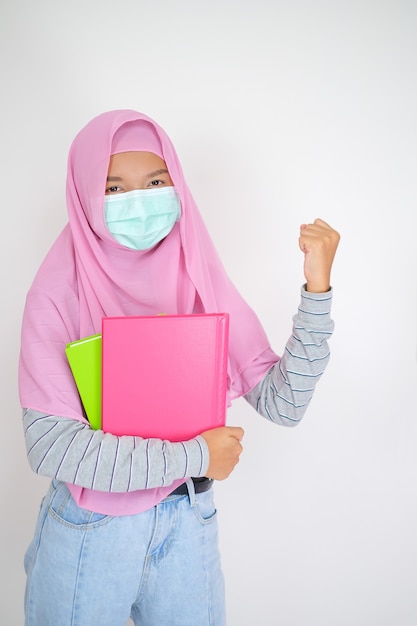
161 567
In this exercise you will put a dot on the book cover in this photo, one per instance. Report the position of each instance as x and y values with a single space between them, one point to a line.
164 376
84 357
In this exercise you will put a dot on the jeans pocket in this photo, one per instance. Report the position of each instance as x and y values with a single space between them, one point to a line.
204 508
65 510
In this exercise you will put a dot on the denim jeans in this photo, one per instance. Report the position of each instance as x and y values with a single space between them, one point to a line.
161 567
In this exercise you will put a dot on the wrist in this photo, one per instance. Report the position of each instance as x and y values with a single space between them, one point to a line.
317 286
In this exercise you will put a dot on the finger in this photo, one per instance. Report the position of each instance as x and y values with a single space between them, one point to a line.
319 222
237 432
313 235
314 230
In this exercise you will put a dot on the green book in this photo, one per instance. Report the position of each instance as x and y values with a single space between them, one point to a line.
84 358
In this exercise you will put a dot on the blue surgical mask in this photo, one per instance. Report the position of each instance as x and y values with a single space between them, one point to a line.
141 218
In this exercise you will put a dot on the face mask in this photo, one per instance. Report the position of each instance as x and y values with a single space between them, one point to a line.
141 218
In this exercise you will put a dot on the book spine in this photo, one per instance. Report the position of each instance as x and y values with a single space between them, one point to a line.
222 362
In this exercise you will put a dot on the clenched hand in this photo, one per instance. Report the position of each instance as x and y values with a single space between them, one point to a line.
224 446
319 242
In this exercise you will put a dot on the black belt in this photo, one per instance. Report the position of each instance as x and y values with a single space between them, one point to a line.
200 485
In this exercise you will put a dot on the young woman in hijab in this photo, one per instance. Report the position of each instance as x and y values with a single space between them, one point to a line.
128 526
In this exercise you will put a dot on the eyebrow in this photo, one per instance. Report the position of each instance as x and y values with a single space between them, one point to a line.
157 173
113 179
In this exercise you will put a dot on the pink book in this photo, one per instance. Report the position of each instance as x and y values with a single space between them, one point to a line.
164 376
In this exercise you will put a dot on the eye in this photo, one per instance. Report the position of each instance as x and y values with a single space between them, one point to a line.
156 183
113 189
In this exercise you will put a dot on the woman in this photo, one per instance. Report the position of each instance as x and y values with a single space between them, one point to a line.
128 527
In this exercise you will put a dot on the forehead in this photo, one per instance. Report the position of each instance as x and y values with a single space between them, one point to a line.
126 163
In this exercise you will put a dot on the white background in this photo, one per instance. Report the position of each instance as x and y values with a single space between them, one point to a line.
281 111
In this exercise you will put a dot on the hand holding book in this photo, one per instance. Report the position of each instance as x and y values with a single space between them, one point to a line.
225 447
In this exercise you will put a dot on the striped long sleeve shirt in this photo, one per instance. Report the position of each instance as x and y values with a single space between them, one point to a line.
71 451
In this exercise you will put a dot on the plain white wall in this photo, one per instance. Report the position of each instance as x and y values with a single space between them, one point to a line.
281 111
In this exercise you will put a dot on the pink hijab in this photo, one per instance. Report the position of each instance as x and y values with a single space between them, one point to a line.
88 275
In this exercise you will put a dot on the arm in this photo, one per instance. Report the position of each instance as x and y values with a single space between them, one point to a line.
69 450
284 394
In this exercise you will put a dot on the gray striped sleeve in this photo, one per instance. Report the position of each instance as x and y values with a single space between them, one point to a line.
283 395
67 449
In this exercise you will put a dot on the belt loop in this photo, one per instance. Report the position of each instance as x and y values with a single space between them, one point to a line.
191 492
